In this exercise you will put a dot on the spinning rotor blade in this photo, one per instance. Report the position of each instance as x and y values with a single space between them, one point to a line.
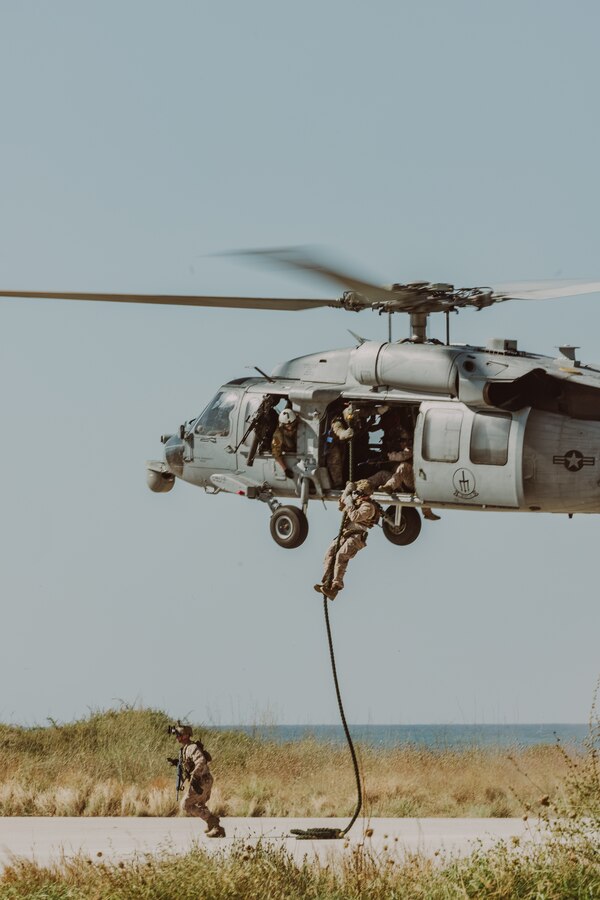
290 304
546 290
296 258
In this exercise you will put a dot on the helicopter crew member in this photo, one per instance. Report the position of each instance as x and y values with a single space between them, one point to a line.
403 478
350 424
361 514
195 759
285 438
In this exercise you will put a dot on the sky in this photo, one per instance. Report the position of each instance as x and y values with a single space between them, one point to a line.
452 142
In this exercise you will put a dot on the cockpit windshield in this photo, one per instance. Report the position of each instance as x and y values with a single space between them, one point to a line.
216 418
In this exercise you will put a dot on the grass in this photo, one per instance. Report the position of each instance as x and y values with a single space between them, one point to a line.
555 869
112 763
560 862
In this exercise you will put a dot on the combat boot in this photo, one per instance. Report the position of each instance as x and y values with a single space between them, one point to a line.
429 514
217 831
318 588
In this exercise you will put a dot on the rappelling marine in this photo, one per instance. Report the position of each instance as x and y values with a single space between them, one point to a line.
361 513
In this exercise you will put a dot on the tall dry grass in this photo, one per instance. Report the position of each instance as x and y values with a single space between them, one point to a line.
551 870
112 763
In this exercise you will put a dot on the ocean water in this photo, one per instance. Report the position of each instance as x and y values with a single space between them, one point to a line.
431 736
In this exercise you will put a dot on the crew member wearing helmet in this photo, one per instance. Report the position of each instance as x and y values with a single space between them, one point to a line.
284 440
361 513
341 431
353 424
194 760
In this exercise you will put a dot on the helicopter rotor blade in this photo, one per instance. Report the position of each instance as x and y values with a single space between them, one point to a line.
289 304
546 290
308 261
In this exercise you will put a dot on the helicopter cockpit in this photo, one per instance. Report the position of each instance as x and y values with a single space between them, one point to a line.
215 419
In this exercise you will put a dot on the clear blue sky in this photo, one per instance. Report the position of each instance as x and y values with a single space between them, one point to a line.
447 141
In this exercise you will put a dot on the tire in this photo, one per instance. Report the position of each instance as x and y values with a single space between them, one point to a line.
407 531
289 527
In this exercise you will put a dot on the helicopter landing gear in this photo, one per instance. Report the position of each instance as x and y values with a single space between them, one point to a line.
404 531
289 527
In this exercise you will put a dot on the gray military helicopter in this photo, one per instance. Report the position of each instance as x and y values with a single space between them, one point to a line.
492 428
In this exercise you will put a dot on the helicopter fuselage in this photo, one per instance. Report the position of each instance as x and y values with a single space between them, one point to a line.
492 429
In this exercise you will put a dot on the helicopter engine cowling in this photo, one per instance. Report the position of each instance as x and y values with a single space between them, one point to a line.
408 367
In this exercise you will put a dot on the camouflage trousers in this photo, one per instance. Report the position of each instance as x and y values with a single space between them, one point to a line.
403 476
350 544
336 458
194 802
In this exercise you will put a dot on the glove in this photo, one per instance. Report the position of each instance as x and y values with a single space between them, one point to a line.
172 760
288 473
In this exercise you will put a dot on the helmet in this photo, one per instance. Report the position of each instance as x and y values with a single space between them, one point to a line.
363 487
182 730
287 417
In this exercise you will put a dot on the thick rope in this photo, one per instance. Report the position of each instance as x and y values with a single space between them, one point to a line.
344 723
309 834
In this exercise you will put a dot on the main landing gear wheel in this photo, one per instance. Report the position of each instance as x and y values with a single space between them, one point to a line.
407 531
289 527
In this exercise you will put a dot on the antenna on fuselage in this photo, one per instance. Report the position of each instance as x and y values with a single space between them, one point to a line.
264 374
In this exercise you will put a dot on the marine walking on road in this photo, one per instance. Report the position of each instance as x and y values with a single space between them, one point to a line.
193 770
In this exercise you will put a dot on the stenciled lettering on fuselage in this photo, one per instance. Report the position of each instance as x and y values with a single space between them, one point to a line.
574 460
464 484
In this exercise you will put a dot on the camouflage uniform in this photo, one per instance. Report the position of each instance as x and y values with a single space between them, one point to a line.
403 478
404 475
283 442
361 515
351 424
195 767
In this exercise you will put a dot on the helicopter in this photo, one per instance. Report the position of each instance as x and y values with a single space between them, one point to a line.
491 427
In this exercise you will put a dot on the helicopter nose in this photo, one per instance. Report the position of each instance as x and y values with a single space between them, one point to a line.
174 454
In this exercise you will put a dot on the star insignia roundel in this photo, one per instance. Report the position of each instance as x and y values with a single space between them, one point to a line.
574 460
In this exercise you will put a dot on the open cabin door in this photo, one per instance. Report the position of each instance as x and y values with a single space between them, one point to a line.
468 458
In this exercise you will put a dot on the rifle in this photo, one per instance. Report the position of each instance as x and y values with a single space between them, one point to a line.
174 761
180 774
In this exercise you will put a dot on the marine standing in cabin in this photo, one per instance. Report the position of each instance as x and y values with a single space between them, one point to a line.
344 427
194 760
361 513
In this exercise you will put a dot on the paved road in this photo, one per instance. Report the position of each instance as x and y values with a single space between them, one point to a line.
47 839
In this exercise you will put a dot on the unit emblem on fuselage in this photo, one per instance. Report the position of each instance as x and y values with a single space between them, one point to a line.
464 484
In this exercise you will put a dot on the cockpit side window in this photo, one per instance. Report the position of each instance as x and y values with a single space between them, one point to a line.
216 418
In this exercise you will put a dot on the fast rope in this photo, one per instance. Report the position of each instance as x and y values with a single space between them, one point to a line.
324 834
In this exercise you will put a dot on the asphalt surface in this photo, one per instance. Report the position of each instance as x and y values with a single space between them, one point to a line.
49 839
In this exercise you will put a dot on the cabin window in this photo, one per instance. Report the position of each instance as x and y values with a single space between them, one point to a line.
441 435
216 418
489 438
